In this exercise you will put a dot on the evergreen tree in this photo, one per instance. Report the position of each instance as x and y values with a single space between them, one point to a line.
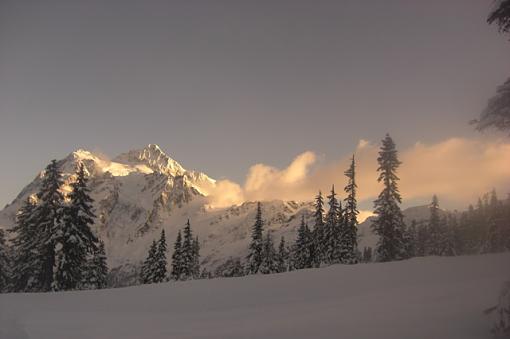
177 263
434 228
47 215
187 252
302 257
5 264
25 247
97 272
255 255
331 254
282 257
160 262
411 237
75 240
149 266
349 238
389 223
269 260
196 259
319 233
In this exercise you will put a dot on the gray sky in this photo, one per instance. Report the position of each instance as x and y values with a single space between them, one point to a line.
221 85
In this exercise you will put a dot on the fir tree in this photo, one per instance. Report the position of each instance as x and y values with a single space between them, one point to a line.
410 237
176 273
5 264
255 255
196 259
187 252
282 257
149 266
389 223
302 256
434 228
319 232
75 240
269 260
160 262
97 272
25 247
331 253
47 215
349 241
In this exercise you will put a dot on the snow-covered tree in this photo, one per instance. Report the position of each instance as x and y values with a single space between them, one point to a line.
319 232
25 247
149 266
232 267
177 259
434 229
410 238
48 216
269 259
187 252
331 245
282 257
255 255
501 15
97 271
5 264
302 256
196 259
74 240
389 221
501 313
160 271
349 237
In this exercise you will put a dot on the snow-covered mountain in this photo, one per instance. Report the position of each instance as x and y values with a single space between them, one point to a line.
141 192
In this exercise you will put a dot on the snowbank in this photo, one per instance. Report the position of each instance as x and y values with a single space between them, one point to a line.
419 298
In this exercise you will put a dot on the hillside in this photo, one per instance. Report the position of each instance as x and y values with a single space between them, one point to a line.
433 297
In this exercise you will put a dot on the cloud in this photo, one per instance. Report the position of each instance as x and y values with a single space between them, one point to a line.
456 169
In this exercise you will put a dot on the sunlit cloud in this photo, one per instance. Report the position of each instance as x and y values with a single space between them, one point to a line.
457 169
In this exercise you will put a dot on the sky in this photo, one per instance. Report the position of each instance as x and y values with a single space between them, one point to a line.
241 90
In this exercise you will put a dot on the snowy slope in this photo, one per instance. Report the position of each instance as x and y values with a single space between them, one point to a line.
433 297
141 192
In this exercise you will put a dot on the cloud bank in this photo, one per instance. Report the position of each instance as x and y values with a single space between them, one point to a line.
458 170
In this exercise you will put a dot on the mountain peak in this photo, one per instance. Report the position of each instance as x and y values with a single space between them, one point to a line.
153 157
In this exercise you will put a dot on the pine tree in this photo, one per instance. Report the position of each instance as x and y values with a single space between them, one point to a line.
255 255
176 273
434 228
97 271
410 237
160 271
149 266
75 240
25 247
47 215
187 252
302 255
389 223
269 262
319 232
349 237
196 259
331 254
282 257
5 264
